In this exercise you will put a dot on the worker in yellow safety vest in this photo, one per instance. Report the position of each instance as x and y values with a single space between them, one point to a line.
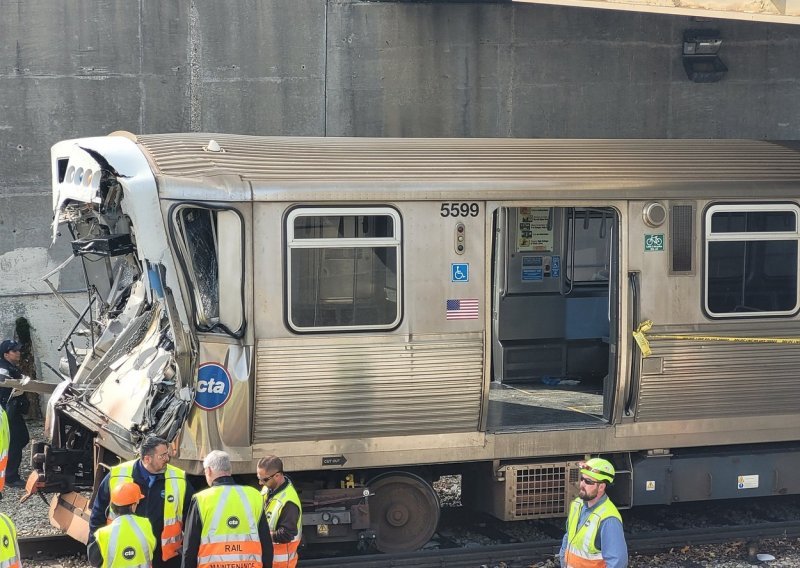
283 509
166 498
594 537
226 526
128 541
9 547
5 441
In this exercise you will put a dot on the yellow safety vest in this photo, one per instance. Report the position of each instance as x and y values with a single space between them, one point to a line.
229 538
128 542
9 548
284 555
581 551
174 496
5 441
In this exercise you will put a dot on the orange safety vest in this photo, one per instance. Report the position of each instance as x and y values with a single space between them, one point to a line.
174 496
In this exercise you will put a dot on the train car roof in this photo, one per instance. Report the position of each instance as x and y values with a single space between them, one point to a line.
326 169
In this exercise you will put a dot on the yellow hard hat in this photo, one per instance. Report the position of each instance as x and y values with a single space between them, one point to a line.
599 469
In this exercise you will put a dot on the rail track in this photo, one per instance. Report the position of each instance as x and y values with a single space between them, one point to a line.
507 551
522 555
50 546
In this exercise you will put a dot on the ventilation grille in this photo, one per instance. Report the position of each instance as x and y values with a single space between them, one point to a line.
682 239
540 492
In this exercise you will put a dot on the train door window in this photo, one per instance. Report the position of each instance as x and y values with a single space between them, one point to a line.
215 280
343 268
751 260
588 246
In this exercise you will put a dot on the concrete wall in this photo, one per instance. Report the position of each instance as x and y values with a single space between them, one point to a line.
348 68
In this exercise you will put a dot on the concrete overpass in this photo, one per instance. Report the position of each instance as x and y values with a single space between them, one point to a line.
776 11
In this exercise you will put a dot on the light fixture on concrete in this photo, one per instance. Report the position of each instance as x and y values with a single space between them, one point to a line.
701 56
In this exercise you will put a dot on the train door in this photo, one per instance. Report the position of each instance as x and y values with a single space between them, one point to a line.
554 317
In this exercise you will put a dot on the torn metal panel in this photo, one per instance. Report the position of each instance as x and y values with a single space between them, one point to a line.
26 384
128 381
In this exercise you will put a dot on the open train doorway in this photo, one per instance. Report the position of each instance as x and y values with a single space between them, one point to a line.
554 274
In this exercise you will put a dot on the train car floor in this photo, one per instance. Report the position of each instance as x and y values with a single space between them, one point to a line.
535 406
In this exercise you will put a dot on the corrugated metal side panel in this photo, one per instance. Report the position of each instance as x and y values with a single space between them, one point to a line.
361 387
713 379
255 158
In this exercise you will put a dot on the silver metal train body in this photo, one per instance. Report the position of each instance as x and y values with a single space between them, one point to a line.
378 312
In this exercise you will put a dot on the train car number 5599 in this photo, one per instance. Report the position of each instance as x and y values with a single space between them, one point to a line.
459 209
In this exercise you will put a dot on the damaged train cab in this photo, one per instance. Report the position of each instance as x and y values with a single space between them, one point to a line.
126 358
382 312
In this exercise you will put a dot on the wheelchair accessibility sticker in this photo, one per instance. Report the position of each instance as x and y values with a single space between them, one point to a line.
459 272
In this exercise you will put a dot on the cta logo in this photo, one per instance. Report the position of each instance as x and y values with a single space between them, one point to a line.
129 553
214 386
233 522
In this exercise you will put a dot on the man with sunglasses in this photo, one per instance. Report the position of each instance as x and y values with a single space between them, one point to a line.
594 537
283 509
167 495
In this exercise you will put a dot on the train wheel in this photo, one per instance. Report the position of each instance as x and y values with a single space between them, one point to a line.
404 511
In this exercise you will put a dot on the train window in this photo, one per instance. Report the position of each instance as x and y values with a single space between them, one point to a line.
343 268
588 250
751 260
215 281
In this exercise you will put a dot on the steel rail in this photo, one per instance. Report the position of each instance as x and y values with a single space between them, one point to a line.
517 555
49 546
521 555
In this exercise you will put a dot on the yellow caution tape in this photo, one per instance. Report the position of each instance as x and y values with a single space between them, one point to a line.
641 336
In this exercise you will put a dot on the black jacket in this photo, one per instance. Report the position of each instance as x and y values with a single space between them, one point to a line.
152 507
15 373
286 527
194 527
15 408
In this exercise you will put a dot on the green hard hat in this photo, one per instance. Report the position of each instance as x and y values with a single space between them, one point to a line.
599 469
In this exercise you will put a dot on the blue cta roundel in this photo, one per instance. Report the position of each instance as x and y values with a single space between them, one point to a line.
213 386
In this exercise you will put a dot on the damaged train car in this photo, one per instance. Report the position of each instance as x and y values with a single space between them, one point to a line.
381 312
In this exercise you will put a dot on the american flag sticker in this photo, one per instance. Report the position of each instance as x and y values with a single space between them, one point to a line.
462 309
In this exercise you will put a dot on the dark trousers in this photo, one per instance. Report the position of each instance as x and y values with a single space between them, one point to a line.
19 439
171 563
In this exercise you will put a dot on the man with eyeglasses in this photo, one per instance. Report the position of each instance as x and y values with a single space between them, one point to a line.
167 495
594 537
283 509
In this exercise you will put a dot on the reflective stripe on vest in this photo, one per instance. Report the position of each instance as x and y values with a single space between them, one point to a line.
128 542
174 495
581 551
9 554
5 441
119 474
174 488
229 537
284 555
